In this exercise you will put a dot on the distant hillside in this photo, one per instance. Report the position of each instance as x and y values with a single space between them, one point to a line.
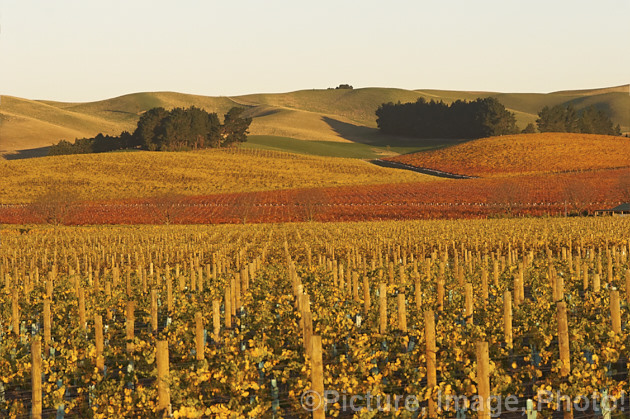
526 154
617 89
316 115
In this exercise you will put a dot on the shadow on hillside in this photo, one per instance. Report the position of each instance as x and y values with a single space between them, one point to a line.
260 112
373 137
582 102
354 133
27 153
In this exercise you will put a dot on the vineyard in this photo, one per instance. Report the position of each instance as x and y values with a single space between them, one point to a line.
144 174
244 321
536 195
526 154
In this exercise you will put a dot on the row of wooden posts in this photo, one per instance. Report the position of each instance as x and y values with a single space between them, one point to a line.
232 299
354 259
313 348
482 347
312 344
162 359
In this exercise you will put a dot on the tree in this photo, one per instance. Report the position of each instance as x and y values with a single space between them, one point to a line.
235 128
126 140
54 205
494 119
145 134
529 129
344 86
461 119
310 201
103 143
80 146
590 120
61 148
202 126
170 206
243 206
596 121
571 119
159 129
174 131
551 119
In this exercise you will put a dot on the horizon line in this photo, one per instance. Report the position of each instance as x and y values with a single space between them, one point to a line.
324 89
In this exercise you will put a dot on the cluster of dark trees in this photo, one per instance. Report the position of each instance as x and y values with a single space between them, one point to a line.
482 117
342 87
590 120
99 144
174 130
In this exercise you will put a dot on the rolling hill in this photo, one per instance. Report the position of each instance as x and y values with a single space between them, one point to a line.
526 154
330 115
142 174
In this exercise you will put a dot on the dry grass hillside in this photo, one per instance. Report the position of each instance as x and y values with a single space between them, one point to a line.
316 115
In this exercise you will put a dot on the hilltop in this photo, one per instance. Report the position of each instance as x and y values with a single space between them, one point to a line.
341 116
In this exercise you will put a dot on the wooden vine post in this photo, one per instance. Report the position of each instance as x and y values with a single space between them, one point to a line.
199 341
130 326
483 380
516 294
47 324
307 324
507 318
495 273
169 293
382 308
82 316
402 313
216 319
615 313
164 393
366 296
417 294
597 283
355 286
98 342
440 294
484 287
469 303
559 296
585 280
154 311
36 378
237 293
15 312
317 377
431 349
563 344
228 308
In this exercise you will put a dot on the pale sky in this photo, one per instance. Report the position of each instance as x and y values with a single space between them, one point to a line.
79 50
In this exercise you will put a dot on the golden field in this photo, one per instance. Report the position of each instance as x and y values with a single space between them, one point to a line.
146 174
